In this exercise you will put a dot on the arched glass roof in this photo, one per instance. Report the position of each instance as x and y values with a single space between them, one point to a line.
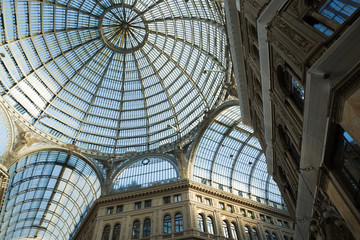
3 134
112 75
146 172
229 157
48 195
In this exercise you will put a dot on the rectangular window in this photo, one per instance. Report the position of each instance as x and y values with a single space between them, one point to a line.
110 210
286 224
230 208
222 205
137 205
207 201
251 214
262 217
243 212
167 200
269 220
280 223
177 198
119 208
147 203
198 199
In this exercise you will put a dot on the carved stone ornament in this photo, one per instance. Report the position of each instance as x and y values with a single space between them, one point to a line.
303 43
288 54
293 8
24 138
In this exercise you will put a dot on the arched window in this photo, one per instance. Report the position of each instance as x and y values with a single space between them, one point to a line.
255 235
147 228
285 238
267 235
146 172
247 233
234 231
210 225
226 229
116 234
106 233
167 224
136 229
274 236
179 222
200 220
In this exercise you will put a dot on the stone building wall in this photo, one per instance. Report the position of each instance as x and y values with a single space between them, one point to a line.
191 200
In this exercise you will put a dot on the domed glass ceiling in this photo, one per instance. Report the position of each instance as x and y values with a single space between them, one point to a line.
109 75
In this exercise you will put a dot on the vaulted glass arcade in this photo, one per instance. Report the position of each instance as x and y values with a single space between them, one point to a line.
112 91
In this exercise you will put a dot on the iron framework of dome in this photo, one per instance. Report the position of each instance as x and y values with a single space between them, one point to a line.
113 76
229 157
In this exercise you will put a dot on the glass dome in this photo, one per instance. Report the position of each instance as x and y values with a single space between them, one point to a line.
113 76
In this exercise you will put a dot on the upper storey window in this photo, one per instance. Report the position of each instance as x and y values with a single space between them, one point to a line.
332 14
291 85
146 172
339 10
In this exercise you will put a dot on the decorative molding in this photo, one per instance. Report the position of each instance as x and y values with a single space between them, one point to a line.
302 42
288 54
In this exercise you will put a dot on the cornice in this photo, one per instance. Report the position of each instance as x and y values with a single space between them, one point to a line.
190 185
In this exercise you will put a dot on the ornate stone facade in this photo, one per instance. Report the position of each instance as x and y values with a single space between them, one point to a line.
191 200
288 55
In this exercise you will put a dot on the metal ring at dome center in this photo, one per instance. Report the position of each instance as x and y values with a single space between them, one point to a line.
123 28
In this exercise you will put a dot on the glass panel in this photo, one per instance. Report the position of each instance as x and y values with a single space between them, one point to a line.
147 228
52 191
72 74
136 229
267 235
167 224
229 155
234 234
106 233
146 172
274 236
210 225
225 229
255 234
116 234
200 221
3 134
247 233
339 10
178 222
